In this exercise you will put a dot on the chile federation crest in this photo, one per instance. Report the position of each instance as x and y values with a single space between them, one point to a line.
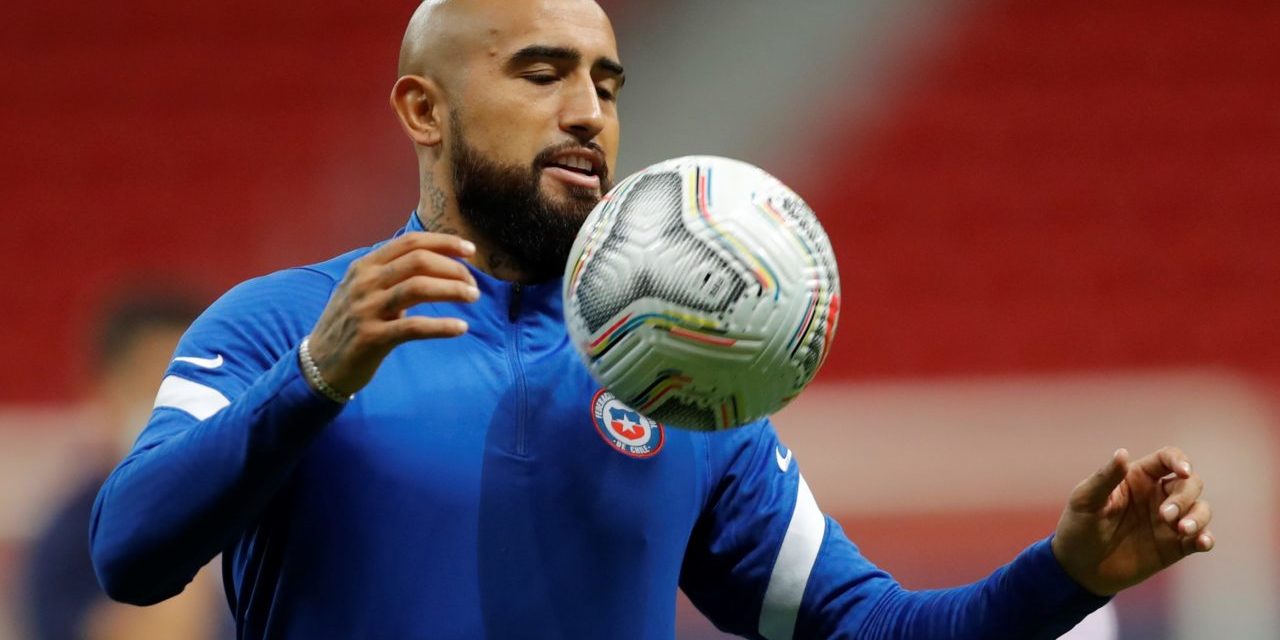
624 429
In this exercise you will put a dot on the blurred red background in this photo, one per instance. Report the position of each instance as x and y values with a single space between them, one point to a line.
1056 187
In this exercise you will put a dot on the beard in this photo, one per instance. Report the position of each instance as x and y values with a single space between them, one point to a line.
505 204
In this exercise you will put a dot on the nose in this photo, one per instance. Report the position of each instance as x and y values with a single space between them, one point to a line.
582 116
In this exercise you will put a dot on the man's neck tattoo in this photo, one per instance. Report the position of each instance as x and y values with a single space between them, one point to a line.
433 220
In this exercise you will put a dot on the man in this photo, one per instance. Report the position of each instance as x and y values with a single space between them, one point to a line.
400 442
62 599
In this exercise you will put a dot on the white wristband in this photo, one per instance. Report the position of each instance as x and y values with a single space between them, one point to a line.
312 372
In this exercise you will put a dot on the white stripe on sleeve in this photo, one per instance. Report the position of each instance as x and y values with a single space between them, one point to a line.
792 568
196 399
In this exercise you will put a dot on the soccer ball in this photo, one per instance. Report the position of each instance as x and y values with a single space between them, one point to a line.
702 292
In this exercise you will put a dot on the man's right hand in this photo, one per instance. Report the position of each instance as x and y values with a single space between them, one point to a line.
365 318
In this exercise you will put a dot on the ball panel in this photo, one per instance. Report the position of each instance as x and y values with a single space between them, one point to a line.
636 259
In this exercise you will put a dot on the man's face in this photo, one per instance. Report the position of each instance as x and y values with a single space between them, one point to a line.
511 207
535 126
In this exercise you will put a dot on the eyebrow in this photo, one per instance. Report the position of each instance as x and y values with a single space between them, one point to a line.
567 54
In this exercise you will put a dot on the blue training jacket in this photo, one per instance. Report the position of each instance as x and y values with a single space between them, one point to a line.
485 487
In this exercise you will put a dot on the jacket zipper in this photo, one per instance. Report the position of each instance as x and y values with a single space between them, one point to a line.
517 366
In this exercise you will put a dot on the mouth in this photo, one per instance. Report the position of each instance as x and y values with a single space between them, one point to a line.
582 168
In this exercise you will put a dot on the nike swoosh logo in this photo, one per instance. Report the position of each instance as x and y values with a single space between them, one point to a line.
206 363
783 461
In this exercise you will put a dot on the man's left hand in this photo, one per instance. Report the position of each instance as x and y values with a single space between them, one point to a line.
1131 520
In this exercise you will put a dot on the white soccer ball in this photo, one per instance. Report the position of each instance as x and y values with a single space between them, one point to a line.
702 292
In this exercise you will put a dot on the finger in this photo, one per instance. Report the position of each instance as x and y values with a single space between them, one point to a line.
422 262
1092 493
1182 493
1196 520
1165 461
419 289
423 327
442 243
1206 541
1201 543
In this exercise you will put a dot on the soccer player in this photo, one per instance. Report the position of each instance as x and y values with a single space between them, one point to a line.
400 442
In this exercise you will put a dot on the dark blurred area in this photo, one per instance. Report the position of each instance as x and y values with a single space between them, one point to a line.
1040 209
60 597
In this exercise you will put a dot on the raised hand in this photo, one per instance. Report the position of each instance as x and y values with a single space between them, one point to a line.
1130 520
365 318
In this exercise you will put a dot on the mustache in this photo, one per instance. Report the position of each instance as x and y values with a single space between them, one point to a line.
544 157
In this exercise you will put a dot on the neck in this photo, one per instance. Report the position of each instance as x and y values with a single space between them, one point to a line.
438 212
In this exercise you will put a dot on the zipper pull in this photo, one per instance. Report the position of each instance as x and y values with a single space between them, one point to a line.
513 311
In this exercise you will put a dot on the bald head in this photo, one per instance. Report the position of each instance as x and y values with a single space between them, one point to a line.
511 94
443 33
427 37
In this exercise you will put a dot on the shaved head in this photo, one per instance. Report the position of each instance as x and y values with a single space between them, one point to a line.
431 32
496 93
442 32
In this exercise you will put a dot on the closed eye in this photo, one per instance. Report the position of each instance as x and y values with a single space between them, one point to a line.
542 79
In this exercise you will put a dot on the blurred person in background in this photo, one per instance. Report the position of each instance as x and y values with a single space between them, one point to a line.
62 599
469 489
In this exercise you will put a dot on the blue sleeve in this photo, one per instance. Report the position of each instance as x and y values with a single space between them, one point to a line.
233 416
764 562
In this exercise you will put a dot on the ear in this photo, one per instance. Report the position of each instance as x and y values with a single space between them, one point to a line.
417 102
